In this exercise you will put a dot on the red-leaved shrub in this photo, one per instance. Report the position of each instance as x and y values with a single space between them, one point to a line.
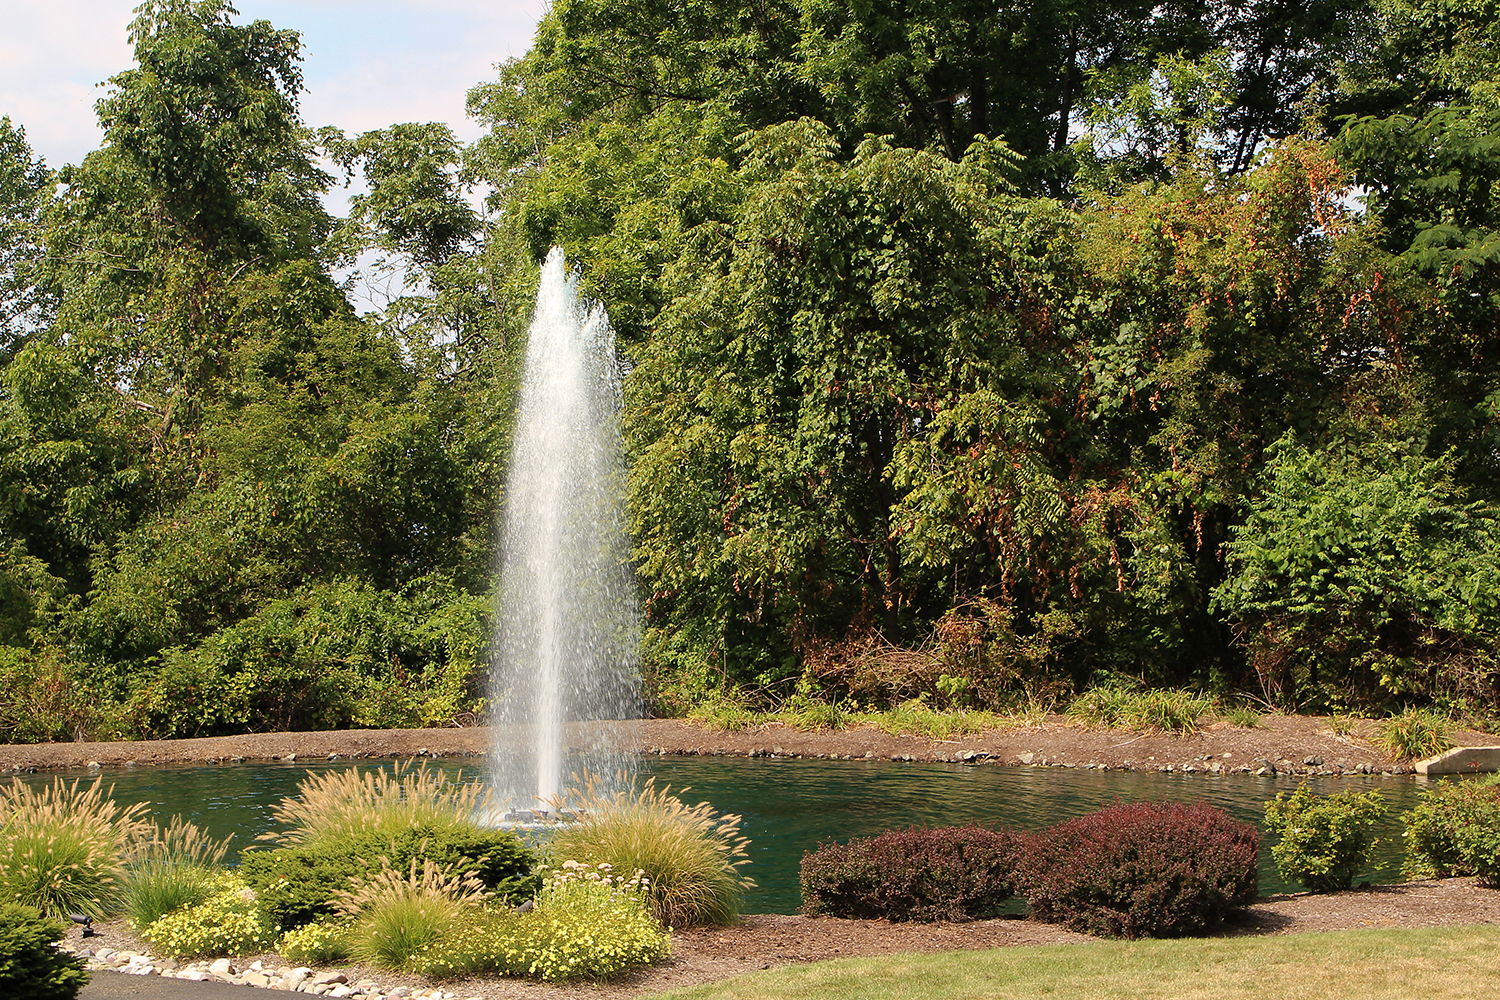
950 873
1144 869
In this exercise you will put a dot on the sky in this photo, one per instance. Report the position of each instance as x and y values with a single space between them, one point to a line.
366 65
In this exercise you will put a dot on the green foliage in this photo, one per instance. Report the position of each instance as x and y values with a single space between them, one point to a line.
323 942
355 802
320 943
1414 734
1242 716
1151 711
588 923
31 967
63 849
173 868
898 426
1452 830
228 923
1324 839
399 915
297 885
1352 579
690 856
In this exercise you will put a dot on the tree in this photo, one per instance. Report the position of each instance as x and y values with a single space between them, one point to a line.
24 185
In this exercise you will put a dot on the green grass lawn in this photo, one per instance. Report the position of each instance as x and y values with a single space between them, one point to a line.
1439 962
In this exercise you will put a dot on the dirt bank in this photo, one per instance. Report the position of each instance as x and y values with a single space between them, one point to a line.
1289 744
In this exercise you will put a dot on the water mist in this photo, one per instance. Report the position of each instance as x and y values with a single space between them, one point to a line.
565 661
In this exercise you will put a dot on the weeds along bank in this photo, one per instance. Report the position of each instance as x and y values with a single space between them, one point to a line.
390 871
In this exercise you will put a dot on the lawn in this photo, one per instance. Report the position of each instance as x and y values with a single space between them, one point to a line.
1431 963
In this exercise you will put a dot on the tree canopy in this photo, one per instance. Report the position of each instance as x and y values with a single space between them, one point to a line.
976 352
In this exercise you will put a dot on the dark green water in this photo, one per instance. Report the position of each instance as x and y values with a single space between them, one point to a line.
791 805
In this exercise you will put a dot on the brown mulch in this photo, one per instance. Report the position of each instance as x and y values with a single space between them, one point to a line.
1286 741
762 942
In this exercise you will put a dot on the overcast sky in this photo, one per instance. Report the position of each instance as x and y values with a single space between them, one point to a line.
366 64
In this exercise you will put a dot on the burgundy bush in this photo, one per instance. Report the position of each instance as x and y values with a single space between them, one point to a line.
1145 869
950 873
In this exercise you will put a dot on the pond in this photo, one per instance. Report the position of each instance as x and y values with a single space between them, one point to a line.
790 805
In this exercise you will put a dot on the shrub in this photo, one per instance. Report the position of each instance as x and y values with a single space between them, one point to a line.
1431 827
1414 734
1146 869
320 943
31 966
690 854
62 849
354 803
1325 839
399 915
951 873
171 869
296 885
227 923
587 923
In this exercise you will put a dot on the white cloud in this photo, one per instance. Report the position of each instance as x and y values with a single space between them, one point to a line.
367 65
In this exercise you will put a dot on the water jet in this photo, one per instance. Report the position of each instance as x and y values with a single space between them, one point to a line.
565 666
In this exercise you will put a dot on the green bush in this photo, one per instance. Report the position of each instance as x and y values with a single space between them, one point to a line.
1324 839
587 923
1431 827
322 943
31 966
62 848
690 854
228 923
296 885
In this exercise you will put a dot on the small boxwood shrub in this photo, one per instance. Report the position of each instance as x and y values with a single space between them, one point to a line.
1324 839
296 885
1445 829
1145 869
950 873
31 966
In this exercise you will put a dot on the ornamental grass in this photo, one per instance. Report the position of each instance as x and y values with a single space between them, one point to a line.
690 855
357 802
63 849
399 915
171 868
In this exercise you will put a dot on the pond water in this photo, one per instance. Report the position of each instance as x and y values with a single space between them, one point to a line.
791 805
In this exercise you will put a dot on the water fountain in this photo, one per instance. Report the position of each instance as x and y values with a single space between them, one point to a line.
565 662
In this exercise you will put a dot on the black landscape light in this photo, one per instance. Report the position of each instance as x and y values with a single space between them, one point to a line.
86 921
